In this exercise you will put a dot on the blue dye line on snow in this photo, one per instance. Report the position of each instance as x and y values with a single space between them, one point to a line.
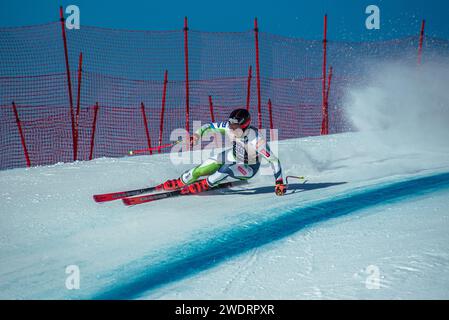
206 254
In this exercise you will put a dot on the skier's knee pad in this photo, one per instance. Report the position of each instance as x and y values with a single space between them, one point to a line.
188 177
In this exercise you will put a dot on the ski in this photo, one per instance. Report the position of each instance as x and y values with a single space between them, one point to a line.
131 193
124 194
131 201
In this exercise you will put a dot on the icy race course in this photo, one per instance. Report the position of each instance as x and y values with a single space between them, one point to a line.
376 198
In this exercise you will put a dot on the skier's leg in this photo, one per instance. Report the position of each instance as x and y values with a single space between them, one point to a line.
233 171
207 183
236 171
207 168
217 171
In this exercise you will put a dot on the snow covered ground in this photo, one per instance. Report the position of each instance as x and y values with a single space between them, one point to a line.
374 206
49 221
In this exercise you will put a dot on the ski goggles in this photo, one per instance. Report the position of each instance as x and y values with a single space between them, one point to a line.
234 124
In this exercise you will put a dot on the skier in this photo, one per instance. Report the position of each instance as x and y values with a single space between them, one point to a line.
240 162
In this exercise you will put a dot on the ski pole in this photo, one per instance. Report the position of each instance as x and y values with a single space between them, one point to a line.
168 145
294 177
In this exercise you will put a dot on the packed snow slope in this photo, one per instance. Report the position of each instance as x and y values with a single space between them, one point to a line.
375 198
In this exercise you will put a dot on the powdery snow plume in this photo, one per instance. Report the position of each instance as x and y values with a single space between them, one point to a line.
403 106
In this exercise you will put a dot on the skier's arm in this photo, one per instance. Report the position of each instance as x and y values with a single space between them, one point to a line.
263 149
280 188
214 127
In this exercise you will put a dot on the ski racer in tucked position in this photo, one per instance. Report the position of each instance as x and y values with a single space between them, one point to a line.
240 162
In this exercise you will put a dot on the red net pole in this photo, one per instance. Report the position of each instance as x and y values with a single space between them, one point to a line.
270 112
256 35
421 41
22 137
145 122
161 124
80 68
248 93
186 60
325 123
69 82
211 108
94 126
329 79
324 109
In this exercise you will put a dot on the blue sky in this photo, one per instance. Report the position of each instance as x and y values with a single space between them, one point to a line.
298 18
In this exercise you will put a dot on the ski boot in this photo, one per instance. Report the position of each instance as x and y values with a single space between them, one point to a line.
196 187
173 184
